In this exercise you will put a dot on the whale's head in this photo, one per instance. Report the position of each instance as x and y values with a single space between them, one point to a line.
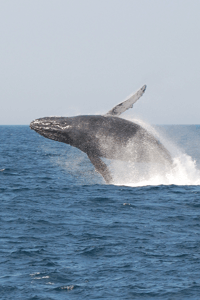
54 128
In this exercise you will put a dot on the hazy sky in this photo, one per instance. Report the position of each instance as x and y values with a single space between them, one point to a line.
60 57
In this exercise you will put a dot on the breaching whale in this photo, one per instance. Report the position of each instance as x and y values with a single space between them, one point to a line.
106 136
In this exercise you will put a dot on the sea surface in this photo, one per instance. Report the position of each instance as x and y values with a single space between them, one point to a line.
65 234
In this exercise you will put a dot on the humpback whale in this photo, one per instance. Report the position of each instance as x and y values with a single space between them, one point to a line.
106 136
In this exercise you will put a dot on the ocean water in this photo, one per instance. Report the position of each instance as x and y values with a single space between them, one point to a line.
65 234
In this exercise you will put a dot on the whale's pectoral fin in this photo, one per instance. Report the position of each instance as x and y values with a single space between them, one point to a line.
128 103
101 167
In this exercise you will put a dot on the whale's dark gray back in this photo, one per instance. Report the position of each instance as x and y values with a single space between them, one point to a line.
116 138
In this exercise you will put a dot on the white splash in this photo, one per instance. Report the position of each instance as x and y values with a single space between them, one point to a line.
183 171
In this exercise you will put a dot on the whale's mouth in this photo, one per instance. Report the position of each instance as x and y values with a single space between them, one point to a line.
54 128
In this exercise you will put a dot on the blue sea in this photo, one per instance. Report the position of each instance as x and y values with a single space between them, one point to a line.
65 234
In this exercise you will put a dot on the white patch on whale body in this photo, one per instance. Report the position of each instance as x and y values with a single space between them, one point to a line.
50 125
65 127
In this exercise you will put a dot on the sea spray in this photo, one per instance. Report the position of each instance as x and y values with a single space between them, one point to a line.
183 171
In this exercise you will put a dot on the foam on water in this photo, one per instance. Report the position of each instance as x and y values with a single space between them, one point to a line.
183 171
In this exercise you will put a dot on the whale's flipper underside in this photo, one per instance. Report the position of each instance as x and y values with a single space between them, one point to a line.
128 103
101 167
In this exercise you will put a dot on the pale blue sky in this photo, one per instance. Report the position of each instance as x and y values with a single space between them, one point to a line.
60 57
